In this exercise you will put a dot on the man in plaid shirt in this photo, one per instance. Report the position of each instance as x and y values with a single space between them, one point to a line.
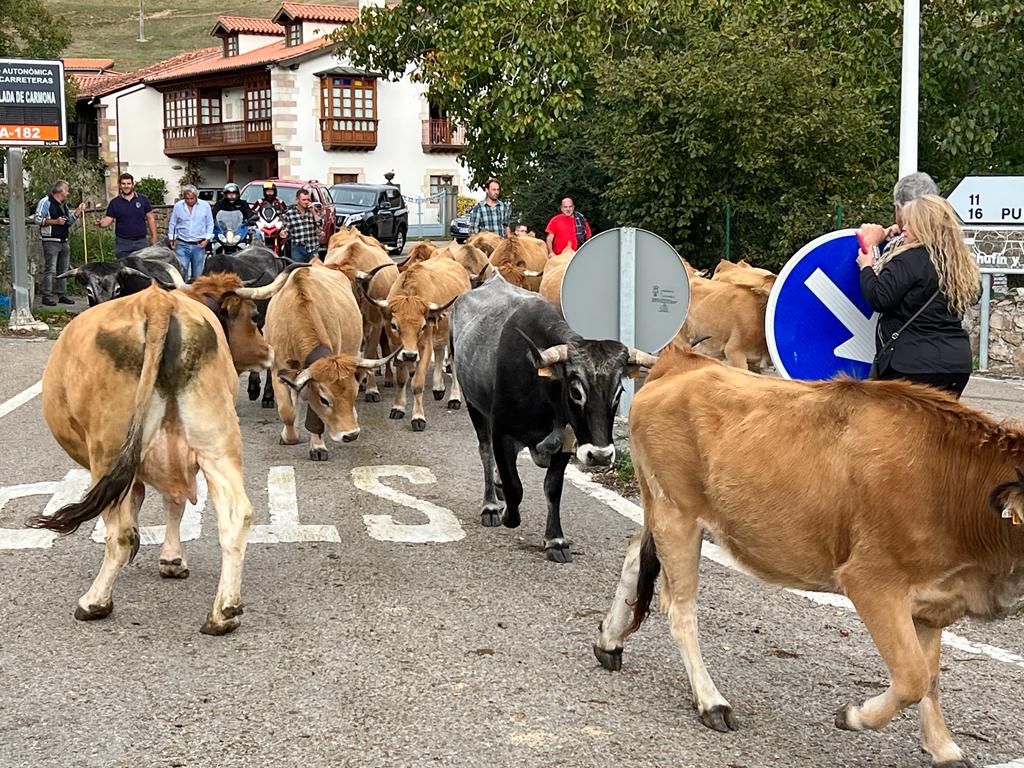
302 227
491 214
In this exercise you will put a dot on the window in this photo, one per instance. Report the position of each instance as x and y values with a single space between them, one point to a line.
436 182
257 101
395 198
209 107
346 178
295 34
348 112
180 108
231 45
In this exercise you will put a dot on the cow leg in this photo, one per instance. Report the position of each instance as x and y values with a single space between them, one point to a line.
506 449
386 346
234 514
935 737
455 398
614 628
886 614
173 564
315 427
437 384
121 546
285 400
556 547
490 513
401 376
419 381
268 391
253 387
734 355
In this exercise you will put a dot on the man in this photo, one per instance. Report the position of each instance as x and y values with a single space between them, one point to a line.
521 230
302 227
568 229
134 216
55 220
491 214
189 229
910 187
270 197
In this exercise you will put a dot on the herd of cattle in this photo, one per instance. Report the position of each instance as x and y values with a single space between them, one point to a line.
902 498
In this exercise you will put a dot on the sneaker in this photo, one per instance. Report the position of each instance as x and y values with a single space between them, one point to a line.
50 302
66 300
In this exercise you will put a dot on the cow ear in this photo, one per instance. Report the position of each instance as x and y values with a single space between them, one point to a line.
632 371
1007 499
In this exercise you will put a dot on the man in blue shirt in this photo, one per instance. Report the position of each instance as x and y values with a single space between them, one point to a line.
55 220
189 229
134 216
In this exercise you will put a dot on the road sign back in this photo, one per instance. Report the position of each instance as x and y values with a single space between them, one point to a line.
818 324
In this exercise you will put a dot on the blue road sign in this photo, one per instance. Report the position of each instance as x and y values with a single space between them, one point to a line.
818 324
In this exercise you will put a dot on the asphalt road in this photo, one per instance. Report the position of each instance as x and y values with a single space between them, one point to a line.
471 650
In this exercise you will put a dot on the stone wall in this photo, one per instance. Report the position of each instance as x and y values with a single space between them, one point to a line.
1006 332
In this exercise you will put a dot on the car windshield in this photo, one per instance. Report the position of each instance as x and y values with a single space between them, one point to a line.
253 193
343 195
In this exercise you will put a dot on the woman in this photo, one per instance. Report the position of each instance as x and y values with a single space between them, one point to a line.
931 273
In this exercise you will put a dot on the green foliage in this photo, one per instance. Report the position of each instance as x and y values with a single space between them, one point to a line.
152 187
463 204
47 165
30 31
625 472
101 244
193 174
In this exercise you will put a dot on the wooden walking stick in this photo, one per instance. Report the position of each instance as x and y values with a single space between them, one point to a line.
85 237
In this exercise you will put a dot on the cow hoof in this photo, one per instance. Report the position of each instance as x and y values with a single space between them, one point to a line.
94 612
454 405
418 425
282 441
217 628
438 394
372 397
610 660
173 569
318 454
558 553
268 402
845 721
510 518
490 516
396 413
254 392
389 384
720 718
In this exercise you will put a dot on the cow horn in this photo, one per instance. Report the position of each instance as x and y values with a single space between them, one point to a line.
135 272
641 358
266 291
552 355
70 273
533 273
367 277
299 382
176 279
438 309
371 364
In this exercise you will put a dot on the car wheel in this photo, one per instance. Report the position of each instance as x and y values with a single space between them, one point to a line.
399 243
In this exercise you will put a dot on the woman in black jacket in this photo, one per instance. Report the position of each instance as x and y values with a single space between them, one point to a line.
932 270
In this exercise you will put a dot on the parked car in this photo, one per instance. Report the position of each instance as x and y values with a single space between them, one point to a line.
374 209
286 189
459 228
212 195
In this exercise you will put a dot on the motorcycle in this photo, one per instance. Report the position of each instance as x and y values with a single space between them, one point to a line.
270 224
230 240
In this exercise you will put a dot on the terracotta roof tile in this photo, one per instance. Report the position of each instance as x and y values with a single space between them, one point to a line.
269 54
337 14
248 25
71 63
108 84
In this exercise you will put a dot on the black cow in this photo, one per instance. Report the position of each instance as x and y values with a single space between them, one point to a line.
540 377
257 266
106 280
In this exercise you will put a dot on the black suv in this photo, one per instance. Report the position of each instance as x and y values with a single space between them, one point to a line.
374 209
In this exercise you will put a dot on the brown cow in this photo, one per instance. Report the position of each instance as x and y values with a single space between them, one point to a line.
473 260
485 241
417 307
249 350
890 492
521 261
420 252
141 390
554 272
741 273
348 234
314 325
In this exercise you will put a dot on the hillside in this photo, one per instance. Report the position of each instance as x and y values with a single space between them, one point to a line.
110 28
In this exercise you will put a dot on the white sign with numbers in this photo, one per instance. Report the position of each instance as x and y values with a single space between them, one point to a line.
990 201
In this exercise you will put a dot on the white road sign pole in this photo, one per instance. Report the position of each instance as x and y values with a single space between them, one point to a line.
909 86
627 304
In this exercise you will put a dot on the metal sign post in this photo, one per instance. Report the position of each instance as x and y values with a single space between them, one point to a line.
21 306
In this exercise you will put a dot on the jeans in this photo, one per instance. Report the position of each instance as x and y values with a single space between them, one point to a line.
192 258
56 259
124 246
302 252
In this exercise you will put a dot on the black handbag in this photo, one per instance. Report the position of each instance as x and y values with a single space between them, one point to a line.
884 355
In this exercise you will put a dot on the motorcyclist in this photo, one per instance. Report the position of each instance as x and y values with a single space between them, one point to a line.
232 211
271 199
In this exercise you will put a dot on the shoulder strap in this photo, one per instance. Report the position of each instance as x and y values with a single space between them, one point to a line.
896 334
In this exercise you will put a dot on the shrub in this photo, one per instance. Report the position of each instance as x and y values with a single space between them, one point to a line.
154 188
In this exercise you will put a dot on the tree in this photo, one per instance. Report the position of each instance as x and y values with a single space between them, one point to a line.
30 31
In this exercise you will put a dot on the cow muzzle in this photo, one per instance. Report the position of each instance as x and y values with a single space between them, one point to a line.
595 456
410 356
345 437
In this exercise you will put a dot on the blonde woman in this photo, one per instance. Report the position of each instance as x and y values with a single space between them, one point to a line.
922 292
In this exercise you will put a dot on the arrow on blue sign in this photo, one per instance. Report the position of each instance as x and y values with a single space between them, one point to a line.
818 324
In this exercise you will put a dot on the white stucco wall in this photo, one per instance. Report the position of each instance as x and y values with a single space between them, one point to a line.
232 104
248 43
139 137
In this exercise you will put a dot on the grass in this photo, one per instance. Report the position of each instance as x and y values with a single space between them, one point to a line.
110 28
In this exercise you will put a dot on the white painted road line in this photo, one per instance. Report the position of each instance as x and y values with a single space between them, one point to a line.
713 552
21 398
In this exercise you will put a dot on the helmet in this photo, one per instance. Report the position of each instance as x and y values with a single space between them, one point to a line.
269 186
231 187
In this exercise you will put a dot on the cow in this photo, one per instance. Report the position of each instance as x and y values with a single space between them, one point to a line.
525 376
416 308
106 280
420 252
849 495
741 273
256 266
315 328
473 260
554 273
347 234
485 241
141 390
521 261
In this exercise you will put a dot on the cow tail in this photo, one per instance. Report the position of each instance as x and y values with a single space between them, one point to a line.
162 329
650 567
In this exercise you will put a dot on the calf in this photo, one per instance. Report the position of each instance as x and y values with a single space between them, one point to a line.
525 374
892 493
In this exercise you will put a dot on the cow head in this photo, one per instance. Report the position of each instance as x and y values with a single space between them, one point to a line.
513 259
331 386
591 376
1008 499
409 316
237 315
105 280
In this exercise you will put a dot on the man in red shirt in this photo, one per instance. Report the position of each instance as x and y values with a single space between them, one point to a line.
568 229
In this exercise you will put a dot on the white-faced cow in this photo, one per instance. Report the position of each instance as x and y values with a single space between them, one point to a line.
903 499
138 391
526 375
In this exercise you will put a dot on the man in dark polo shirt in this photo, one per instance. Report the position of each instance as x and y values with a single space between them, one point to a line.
134 216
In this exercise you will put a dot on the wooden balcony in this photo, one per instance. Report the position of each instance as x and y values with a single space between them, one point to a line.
345 133
443 135
234 137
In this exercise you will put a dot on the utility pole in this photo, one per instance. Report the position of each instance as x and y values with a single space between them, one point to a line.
142 22
909 86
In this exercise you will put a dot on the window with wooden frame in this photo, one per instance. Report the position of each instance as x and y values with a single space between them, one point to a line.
180 108
231 45
348 111
209 107
346 178
257 101
294 34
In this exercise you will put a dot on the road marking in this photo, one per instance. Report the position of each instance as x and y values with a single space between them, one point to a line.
717 554
861 346
61 492
284 514
191 520
21 398
442 525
